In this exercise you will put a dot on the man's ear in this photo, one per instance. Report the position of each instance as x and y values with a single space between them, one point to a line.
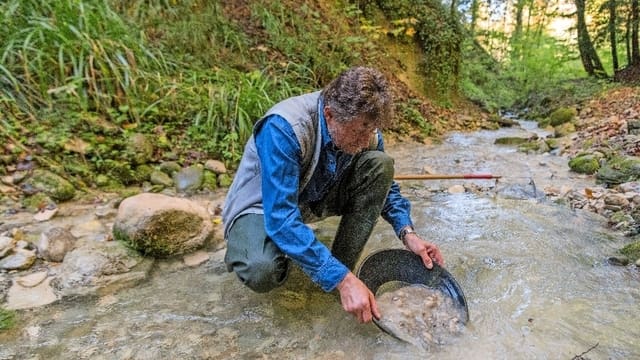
327 113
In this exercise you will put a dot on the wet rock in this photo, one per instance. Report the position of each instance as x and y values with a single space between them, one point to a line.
20 297
160 178
106 212
100 269
189 180
92 230
511 140
216 166
21 259
160 225
55 243
618 260
51 184
6 245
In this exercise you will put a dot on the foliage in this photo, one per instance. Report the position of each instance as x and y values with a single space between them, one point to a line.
439 34
76 53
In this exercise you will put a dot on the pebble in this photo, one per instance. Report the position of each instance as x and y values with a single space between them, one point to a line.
45 215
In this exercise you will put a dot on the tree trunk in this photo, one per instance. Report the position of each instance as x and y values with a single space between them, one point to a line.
612 35
475 9
590 60
627 38
635 53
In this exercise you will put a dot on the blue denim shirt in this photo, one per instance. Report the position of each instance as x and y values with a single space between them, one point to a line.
279 153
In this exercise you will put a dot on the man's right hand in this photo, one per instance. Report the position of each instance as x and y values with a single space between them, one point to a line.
357 299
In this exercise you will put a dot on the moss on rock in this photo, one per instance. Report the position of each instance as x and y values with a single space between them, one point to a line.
562 115
53 185
585 164
618 170
632 251
161 237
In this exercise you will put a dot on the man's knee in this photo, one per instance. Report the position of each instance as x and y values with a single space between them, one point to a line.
378 164
263 274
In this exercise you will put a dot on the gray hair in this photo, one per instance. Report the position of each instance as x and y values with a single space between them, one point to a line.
360 91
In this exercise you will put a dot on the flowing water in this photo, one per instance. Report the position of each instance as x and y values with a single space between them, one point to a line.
534 274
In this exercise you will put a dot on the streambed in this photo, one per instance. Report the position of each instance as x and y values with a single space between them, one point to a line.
534 274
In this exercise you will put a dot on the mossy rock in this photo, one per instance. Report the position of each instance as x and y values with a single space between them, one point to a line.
552 143
564 129
53 185
139 149
210 180
585 164
618 170
224 180
170 167
632 251
510 140
562 116
538 147
36 201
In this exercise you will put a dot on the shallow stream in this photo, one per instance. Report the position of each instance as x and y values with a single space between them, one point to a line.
534 274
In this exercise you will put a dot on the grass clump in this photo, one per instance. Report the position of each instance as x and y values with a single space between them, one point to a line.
7 319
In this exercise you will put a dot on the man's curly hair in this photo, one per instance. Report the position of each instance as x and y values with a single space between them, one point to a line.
360 91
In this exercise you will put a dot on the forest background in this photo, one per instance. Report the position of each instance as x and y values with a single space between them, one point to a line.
79 78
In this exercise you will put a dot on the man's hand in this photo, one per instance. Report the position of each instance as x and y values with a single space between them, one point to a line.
427 251
357 299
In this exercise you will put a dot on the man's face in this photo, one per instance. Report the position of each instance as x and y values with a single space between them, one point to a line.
350 137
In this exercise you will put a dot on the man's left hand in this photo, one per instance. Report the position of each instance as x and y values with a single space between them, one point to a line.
429 252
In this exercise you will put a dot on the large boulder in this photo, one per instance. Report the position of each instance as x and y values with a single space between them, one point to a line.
160 225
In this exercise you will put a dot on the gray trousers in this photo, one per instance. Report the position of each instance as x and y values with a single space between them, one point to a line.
358 198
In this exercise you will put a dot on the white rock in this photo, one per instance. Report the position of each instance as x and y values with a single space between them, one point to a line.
45 215
196 258
20 297
32 280
456 189
216 166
